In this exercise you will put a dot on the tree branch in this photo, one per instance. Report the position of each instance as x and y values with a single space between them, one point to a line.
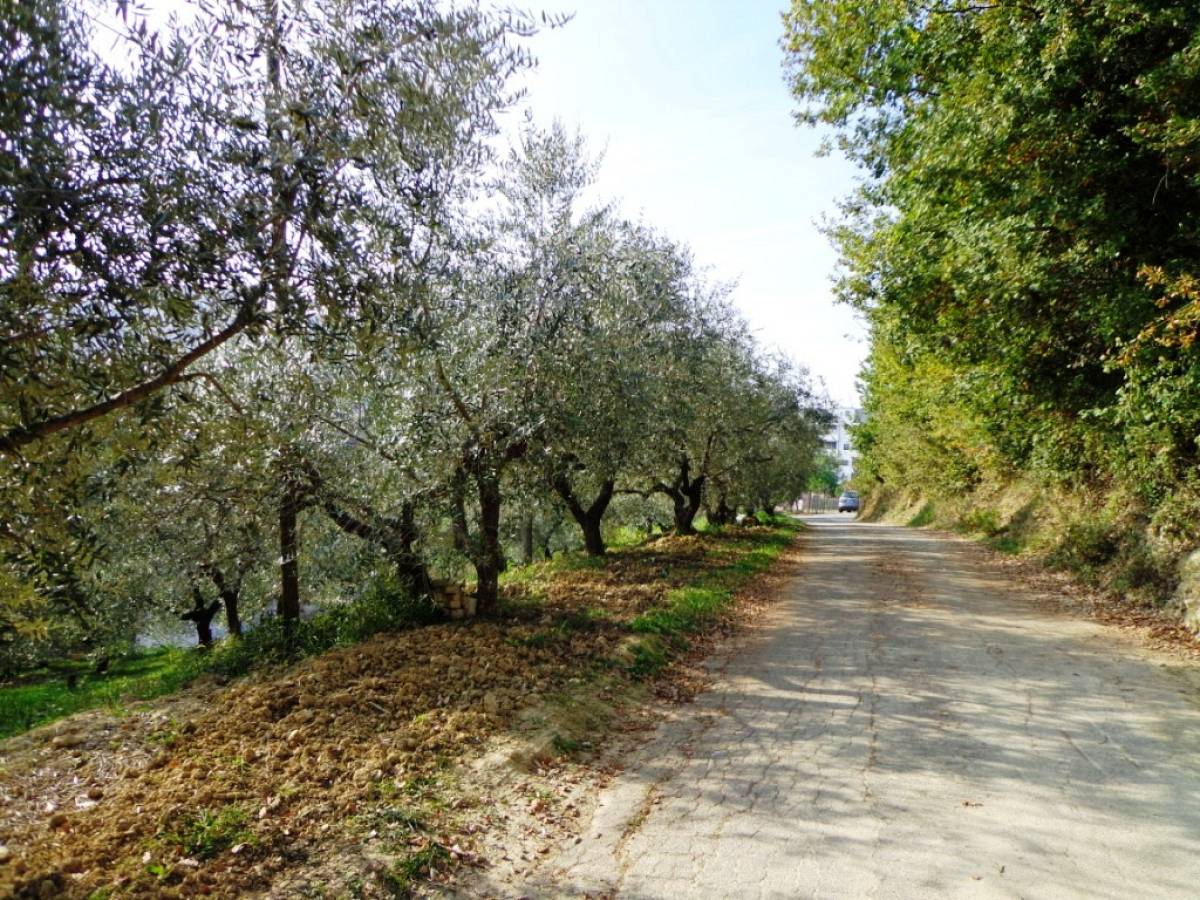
217 386
15 438
459 406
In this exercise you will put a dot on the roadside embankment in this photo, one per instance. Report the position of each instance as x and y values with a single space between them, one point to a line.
370 769
1100 542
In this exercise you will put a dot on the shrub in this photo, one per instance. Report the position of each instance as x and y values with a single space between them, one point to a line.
981 521
417 865
923 517
647 656
1086 546
385 604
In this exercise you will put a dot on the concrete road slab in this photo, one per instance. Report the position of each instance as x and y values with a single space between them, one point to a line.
908 724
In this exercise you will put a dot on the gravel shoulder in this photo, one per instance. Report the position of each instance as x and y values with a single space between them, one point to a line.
908 721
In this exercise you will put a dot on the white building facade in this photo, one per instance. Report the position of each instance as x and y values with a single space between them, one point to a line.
839 442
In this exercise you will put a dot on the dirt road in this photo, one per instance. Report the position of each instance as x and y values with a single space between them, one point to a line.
905 724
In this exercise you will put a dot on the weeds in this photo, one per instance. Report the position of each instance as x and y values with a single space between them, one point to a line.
164 737
416 866
207 834
624 536
566 746
647 657
402 816
981 521
1085 547
923 517
1005 543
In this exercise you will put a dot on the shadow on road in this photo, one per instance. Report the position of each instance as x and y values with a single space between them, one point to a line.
907 725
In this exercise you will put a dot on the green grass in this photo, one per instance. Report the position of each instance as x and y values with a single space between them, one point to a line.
587 619
623 537
207 834
648 656
923 517
980 521
1005 543
401 879
140 677
534 576
566 561
689 609
45 696
565 746
407 818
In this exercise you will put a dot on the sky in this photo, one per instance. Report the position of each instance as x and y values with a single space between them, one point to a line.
687 101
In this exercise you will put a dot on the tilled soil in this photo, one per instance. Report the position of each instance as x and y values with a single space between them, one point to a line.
271 784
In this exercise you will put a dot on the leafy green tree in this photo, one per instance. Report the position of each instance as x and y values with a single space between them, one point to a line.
825 477
607 386
772 443
702 410
118 269
1024 239
257 175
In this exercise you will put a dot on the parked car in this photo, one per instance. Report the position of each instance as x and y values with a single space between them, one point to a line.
848 502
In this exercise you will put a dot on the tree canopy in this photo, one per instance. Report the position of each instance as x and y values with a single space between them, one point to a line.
1024 241
280 324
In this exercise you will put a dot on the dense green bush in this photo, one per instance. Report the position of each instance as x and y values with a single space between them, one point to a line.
1023 250
981 521
1086 546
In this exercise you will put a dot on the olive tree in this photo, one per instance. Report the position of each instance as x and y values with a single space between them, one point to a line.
607 390
267 175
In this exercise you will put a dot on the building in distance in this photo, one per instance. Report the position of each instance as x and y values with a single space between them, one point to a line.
837 440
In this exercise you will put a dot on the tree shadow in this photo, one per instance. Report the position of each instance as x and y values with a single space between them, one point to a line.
917 729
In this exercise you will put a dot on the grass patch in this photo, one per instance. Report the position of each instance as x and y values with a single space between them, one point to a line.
402 816
565 746
623 537
45 696
760 558
647 657
164 737
140 677
539 640
207 834
573 622
981 521
1005 543
418 865
691 608
687 609
923 517
536 572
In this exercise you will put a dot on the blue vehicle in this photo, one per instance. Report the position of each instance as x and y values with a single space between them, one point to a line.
848 502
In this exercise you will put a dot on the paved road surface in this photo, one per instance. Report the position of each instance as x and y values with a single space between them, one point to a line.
905 725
